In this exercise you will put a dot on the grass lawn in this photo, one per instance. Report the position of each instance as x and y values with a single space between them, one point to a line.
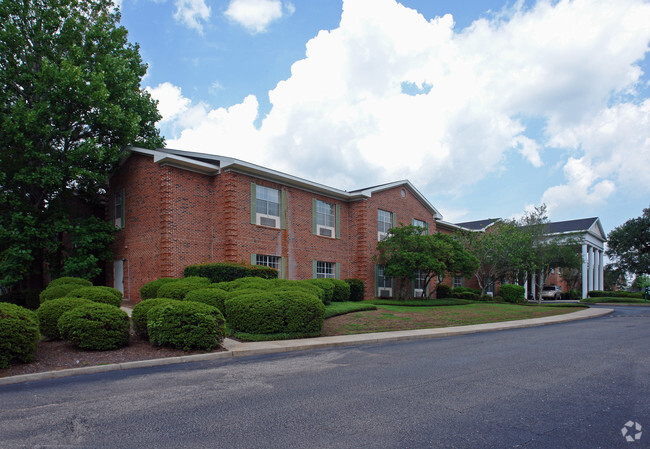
393 318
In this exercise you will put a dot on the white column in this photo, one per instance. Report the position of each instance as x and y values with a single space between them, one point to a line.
526 285
532 285
585 266
596 269
590 271
601 274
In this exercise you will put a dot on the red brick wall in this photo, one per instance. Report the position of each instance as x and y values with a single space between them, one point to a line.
176 217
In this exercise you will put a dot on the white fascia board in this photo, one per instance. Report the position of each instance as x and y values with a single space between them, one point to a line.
162 158
283 178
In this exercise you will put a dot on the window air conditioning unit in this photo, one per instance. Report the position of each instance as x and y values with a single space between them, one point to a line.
418 293
385 292
381 236
325 231
267 220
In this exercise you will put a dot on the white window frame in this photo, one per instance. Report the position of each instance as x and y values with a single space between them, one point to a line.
457 280
422 224
382 229
262 193
325 220
325 270
268 261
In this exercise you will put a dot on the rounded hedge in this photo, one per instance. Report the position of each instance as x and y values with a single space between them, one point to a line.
304 285
70 280
326 286
50 311
512 293
443 291
57 291
214 297
357 289
96 326
250 282
179 288
276 312
96 294
112 290
150 289
140 311
186 325
19 334
341 290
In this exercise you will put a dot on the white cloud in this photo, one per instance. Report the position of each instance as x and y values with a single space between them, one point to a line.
256 15
192 13
342 118
171 103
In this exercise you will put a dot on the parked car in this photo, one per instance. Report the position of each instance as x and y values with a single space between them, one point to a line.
552 292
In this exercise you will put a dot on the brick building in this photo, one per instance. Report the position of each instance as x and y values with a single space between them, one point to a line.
176 208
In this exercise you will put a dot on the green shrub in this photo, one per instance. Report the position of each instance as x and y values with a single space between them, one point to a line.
214 297
461 290
614 294
466 295
186 325
19 334
243 292
443 291
513 293
571 295
150 289
620 299
357 289
50 311
57 291
70 280
96 326
281 285
250 282
179 288
228 271
140 312
28 298
326 286
271 312
112 290
341 290
96 294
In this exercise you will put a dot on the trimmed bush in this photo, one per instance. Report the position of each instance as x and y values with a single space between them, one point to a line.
614 294
140 311
179 288
228 271
19 334
467 295
443 291
57 291
292 285
70 280
251 282
150 289
96 294
512 293
341 290
214 297
50 311
276 312
112 290
96 326
186 325
325 285
357 289
571 295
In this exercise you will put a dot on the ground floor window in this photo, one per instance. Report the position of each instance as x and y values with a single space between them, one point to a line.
325 270
457 282
268 261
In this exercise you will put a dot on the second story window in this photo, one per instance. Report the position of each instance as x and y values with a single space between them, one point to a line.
325 219
118 209
384 223
267 206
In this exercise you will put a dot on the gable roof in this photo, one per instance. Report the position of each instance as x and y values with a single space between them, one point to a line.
212 164
591 225
479 225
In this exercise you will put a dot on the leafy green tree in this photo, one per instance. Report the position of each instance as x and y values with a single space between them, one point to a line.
629 245
406 251
70 101
502 252
614 278
640 282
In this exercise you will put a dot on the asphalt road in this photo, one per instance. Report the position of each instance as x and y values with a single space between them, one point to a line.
571 385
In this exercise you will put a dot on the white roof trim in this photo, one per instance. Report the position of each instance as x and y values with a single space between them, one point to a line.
184 162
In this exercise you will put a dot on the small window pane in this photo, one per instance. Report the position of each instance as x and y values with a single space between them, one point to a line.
267 201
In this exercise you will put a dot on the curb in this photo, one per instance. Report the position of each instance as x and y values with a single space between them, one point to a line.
237 349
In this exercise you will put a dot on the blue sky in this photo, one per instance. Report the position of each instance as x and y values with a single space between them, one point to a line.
488 107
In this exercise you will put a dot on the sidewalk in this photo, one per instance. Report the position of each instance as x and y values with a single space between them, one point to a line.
239 349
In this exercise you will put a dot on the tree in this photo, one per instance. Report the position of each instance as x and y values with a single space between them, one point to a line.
501 251
406 251
629 245
547 251
614 278
640 282
70 103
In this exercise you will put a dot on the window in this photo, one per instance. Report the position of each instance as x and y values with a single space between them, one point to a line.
384 284
419 284
457 282
421 224
384 223
325 219
325 270
118 209
266 204
268 261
